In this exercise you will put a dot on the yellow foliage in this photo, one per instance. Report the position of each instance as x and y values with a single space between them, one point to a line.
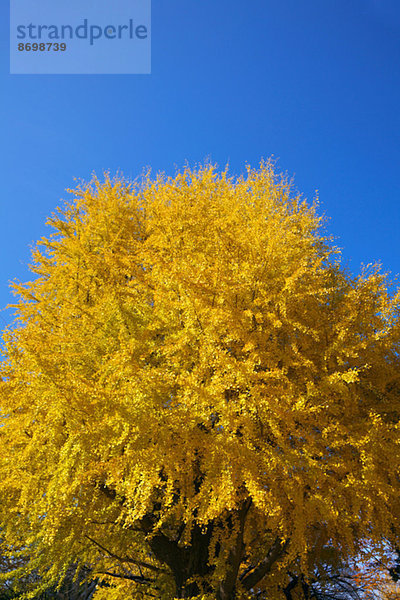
188 345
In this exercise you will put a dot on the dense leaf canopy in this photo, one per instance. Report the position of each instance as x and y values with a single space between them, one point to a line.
196 398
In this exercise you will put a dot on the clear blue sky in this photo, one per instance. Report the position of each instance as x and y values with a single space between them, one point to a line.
316 83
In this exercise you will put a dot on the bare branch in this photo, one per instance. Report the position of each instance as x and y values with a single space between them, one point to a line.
127 559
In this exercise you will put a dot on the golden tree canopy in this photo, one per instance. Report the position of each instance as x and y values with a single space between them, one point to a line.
196 396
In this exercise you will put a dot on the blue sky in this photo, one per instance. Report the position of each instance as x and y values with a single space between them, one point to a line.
316 83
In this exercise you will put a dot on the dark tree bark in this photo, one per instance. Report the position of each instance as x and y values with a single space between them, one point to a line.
264 567
227 587
189 562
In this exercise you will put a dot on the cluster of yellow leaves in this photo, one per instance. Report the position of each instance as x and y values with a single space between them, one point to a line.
188 343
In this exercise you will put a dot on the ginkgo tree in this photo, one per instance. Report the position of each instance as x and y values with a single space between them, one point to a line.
197 400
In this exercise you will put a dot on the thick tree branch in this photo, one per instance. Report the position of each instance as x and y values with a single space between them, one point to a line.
264 567
227 586
290 586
